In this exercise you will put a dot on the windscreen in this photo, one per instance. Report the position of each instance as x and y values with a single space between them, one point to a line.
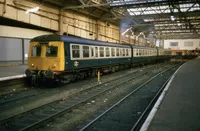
36 51
51 51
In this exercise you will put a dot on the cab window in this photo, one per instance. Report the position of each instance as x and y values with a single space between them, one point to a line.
51 51
36 51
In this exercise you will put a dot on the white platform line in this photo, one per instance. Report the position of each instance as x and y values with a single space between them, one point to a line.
155 108
12 77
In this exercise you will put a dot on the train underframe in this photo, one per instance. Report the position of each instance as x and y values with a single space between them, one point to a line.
35 77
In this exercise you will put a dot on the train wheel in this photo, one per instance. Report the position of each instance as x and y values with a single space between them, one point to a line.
73 78
34 81
82 76
113 69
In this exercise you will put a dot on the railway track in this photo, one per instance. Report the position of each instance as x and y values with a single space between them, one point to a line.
12 86
74 118
46 113
130 112
11 101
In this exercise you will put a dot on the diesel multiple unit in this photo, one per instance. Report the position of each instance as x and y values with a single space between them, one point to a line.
65 58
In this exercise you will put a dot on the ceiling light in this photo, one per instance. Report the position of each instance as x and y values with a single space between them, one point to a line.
32 10
172 18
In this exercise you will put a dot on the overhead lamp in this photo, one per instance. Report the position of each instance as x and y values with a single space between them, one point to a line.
32 10
172 18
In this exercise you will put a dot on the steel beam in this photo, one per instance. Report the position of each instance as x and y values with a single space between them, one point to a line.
146 4
82 2
164 15
84 6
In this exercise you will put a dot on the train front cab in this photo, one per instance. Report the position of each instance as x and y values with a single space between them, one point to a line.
45 59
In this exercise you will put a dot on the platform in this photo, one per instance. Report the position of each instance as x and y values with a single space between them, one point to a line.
180 108
12 72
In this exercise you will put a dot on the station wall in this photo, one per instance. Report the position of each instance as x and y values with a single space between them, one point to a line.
182 44
10 49
14 43
7 31
53 18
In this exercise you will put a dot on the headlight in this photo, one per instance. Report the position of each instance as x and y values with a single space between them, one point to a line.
54 65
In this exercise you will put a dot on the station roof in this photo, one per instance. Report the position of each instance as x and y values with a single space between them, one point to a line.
167 19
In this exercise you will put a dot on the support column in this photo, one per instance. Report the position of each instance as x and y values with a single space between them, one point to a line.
120 37
158 44
60 22
97 31
134 40
4 8
129 38
23 52
162 43
137 40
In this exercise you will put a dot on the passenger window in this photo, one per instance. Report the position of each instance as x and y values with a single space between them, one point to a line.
117 51
107 52
96 51
85 51
113 52
51 51
121 52
140 52
92 51
75 51
36 51
101 49
129 52
126 52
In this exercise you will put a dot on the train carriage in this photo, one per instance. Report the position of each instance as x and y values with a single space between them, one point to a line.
86 54
142 54
163 54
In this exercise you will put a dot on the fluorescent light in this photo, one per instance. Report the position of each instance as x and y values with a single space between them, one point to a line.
32 10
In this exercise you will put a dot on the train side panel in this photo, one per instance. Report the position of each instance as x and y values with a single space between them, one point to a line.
96 56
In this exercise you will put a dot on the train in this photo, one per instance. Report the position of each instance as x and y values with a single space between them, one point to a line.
65 59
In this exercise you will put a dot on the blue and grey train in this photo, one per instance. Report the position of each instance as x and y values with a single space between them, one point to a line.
66 58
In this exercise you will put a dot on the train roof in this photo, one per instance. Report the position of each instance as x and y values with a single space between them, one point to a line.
53 37
143 47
